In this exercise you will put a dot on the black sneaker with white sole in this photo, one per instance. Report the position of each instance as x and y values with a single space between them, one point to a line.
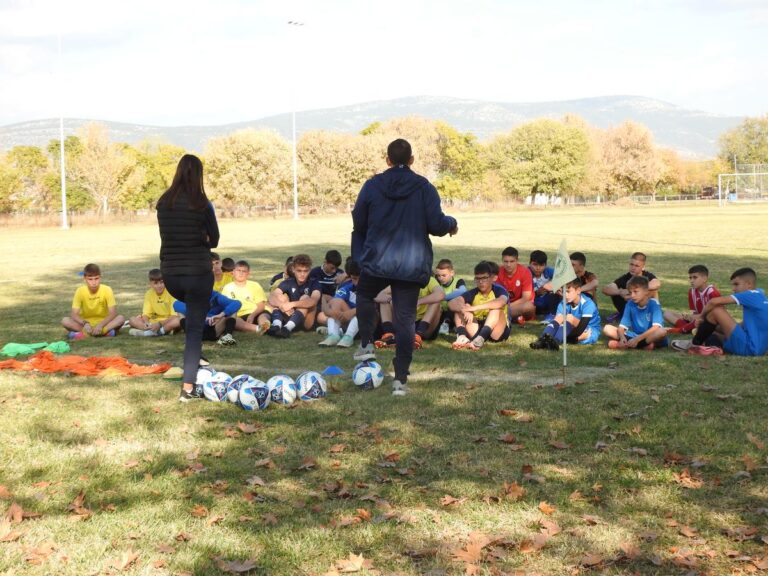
194 394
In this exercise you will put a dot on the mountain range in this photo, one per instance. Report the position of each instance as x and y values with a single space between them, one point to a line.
693 133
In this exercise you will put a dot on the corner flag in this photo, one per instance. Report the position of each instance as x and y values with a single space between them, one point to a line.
564 272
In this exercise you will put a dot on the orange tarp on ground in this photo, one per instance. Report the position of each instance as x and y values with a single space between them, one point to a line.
82 366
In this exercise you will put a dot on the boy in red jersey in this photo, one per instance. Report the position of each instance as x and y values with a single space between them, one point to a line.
517 280
700 293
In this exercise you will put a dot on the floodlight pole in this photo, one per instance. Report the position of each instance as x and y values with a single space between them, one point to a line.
64 223
293 130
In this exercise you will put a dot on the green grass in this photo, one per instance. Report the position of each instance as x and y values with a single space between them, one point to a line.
145 462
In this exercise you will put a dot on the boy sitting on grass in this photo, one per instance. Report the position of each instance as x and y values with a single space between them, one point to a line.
453 287
294 301
700 293
220 278
342 310
642 324
748 338
618 290
578 318
157 315
480 314
589 280
253 315
94 310
544 299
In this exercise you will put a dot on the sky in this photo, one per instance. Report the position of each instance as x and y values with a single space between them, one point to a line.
189 62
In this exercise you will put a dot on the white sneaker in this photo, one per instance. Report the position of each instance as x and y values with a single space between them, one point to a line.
346 341
399 389
367 353
321 330
461 342
137 332
226 340
681 345
330 340
444 329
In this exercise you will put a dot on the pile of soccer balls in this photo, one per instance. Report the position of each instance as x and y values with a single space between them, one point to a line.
249 393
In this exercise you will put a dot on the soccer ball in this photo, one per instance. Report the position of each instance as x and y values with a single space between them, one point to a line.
215 389
254 395
233 388
367 375
204 374
310 386
282 389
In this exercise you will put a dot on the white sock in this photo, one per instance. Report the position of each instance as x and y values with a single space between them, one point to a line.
333 327
277 323
352 329
161 331
290 325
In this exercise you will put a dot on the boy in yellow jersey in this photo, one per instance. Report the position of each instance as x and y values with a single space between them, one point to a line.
453 287
94 310
157 317
427 315
481 313
220 278
253 315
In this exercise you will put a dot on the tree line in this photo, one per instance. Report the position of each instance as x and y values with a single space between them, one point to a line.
250 169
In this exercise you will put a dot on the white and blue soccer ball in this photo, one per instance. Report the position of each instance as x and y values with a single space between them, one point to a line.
367 375
254 395
282 389
233 388
311 386
215 389
204 374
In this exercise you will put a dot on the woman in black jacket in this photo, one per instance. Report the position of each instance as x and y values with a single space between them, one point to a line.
188 231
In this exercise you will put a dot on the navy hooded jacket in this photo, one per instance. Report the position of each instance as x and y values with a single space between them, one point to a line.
394 215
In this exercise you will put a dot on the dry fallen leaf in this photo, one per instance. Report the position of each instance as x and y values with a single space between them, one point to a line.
264 462
759 444
590 559
125 560
354 563
199 511
534 544
549 527
576 496
559 444
337 448
5 494
6 534
307 463
688 531
235 566
448 500
546 508
247 428
513 491
215 519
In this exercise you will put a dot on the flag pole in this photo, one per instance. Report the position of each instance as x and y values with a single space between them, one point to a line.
564 273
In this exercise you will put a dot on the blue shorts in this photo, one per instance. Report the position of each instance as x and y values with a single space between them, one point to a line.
592 338
738 343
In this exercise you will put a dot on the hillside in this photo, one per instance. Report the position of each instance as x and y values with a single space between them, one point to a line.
692 133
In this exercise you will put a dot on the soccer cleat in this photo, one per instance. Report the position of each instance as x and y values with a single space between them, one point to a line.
681 345
346 341
284 333
538 344
185 396
76 335
417 342
330 340
551 343
321 330
444 329
399 389
387 340
362 353
705 350
273 330
203 362
226 340
476 343
617 345
520 320
461 342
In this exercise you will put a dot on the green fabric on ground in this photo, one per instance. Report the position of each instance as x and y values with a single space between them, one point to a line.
14 349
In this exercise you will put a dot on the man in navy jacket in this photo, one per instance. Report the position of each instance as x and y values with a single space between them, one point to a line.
394 215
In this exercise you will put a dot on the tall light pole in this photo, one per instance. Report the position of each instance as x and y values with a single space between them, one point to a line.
64 223
293 129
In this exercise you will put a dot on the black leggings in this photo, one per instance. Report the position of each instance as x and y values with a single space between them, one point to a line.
195 292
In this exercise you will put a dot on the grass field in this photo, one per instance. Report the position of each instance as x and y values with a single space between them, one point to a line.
643 463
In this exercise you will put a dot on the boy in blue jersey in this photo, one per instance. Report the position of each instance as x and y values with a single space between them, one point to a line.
480 314
577 317
748 338
544 298
342 310
294 301
219 320
642 323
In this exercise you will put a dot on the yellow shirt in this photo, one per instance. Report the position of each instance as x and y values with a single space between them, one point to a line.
226 278
250 296
426 291
478 297
158 306
93 307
